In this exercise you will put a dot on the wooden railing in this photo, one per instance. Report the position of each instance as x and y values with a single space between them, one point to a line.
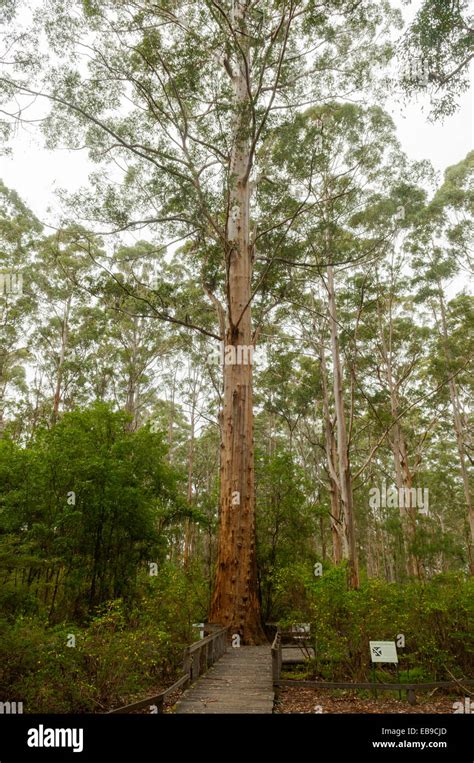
277 659
198 658
202 654
410 688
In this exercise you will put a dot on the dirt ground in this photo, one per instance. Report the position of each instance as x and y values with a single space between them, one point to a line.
296 699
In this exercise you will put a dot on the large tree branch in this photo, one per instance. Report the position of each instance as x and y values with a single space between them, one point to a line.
136 149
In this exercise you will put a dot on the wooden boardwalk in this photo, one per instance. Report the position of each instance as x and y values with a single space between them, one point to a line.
240 682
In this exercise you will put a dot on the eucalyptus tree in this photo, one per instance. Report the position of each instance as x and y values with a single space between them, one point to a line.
395 360
62 272
176 100
347 167
136 346
442 249
20 233
198 407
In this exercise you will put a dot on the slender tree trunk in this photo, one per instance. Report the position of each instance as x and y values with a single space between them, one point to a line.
459 431
370 541
36 409
2 404
345 478
323 538
235 600
62 354
171 420
189 524
403 475
378 549
55 591
339 545
131 403
404 481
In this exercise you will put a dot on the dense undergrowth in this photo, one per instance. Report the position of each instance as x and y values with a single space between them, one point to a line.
125 652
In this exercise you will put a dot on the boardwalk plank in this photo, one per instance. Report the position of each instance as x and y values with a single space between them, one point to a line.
240 682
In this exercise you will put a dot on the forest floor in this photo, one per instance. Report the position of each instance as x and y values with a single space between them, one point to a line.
308 700
299 699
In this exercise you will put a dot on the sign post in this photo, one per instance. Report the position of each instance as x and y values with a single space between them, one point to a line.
382 651
201 629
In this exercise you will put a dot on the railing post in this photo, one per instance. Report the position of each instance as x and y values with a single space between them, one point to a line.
195 665
277 659
187 661
275 666
204 653
200 656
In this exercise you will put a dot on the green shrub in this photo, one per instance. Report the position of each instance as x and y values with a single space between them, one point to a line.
120 656
433 617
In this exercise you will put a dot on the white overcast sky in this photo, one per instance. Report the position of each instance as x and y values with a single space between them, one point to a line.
36 173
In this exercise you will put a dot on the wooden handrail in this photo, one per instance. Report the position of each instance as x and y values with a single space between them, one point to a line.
206 640
156 699
197 658
373 684
410 688
277 658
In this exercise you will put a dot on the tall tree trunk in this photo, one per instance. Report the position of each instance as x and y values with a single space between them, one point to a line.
131 403
323 537
2 409
339 544
171 415
62 355
404 480
403 475
130 406
345 478
235 600
458 428
188 533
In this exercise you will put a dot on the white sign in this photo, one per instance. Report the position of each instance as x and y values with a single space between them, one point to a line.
201 629
301 628
383 651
